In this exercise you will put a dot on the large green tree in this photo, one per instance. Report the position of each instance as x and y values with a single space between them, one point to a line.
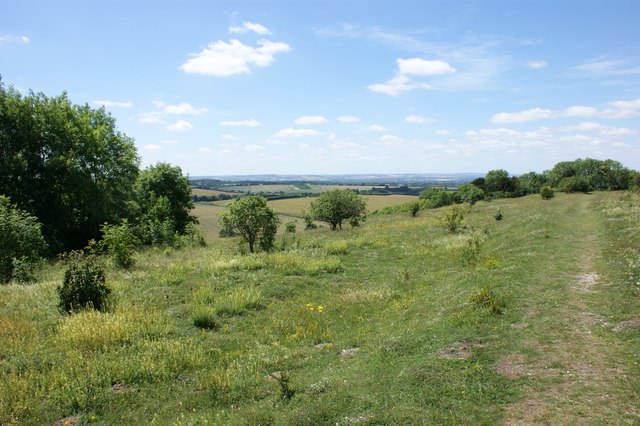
163 198
66 164
336 206
253 220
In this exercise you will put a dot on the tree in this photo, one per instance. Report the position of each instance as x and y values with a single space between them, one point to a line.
436 197
22 242
164 201
253 220
66 164
469 193
498 181
337 205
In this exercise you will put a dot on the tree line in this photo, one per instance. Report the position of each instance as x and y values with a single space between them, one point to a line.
68 173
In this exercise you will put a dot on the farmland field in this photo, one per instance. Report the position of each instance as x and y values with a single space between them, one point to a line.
198 191
292 188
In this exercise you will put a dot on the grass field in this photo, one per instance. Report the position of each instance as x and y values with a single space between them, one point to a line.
533 319
197 191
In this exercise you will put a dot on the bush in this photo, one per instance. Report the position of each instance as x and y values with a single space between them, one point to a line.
453 218
22 243
84 285
290 227
119 242
414 208
498 216
574 184
436 197
547 193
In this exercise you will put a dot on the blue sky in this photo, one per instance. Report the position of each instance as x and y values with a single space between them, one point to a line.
323 87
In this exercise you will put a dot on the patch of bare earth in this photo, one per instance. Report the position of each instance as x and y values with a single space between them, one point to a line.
460 349
632 323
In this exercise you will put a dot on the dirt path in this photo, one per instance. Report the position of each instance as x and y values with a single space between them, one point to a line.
574 369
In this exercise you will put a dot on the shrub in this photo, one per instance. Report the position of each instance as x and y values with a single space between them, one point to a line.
486 298
547 193
84 285
22 243
574 184
414 208
436 197
308 221
471 253
290 226
498 216
452 220
119 242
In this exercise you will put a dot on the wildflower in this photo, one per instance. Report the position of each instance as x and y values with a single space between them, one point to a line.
320 308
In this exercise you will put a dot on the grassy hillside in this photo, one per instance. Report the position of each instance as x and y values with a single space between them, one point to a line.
529 320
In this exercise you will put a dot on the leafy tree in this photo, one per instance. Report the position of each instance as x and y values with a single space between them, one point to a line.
530 183
574 184
452 219
66 164
253 220
436 197
164 201
337 205
469 193
21 244
498 181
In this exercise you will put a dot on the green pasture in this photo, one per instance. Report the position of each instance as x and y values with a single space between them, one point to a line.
532 319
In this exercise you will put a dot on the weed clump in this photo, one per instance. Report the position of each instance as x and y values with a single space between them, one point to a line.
452 220
84 285
485 298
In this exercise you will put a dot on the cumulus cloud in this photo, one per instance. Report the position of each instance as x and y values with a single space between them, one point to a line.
296 133
229 137
377 128
155 117
109 104
222 59
180 126
418 119
311 119
348 119
254 148
250 27
241 123
419 66
205 150
616 109
443 132
182 108
402 82
536 65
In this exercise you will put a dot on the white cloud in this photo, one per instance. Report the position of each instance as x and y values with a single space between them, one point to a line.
250 26
296 133
205 150
109 104
254 148
618 109
221 59
155 117
311 119
170 142
377 128
182 108
229 137
14 39
348 119
607 66
241 123
518 117
152 148
536 65
180 126
443 132
418 119
418 66
398 84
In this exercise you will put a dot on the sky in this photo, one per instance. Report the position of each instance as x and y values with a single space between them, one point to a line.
342 86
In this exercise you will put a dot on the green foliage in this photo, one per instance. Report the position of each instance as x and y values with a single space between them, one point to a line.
485 298
530 183
436 197
253 220
290 227
337 205
574 184
84 285
308 221
498 181
547 192
471 253
205 316
193 237
470 193
163 197
21 244
119 241
498 216
414 208
65 164
590 175
452 219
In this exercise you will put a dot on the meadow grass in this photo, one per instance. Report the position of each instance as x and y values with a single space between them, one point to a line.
388 323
